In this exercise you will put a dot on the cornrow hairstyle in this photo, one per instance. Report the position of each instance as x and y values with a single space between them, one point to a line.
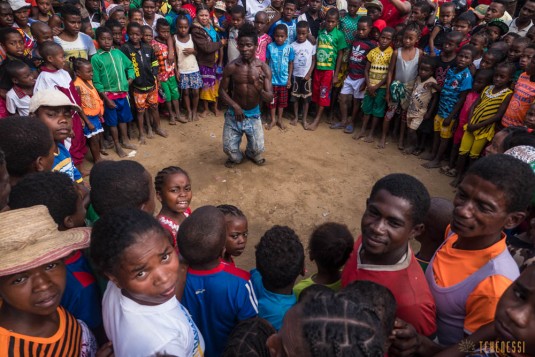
248 339
133 25
302 24
123 183
23 140
313 290
55 190
333 12
49 48
202 235
238 9
408 188
511 176
230 210
13 67
279 257
330 245
104 29
162 23
366 19
202 7
413 26
248 31
69 10
117 230
5 32
78 62
334 325
162 175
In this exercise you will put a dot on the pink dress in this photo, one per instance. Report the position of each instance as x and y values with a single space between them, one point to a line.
463 116
169 225
261 50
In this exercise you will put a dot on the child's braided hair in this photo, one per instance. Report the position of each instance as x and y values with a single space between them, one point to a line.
248 338
162 175
230 210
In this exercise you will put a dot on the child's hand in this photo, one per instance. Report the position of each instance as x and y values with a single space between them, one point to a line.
189 51
170 59
472 127
224 41
110 104
430 85
371 90
90 126
404 339
289 84
335 81
307 77
432 53
56 31
447 121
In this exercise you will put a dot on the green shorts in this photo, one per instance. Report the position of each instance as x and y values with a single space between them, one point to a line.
375 106
170 88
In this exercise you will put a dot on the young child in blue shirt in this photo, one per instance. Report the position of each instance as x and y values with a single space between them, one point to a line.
280 259
217 295
452 95
280 57
287 19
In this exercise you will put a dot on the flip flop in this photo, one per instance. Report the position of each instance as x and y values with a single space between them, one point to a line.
349 129
337 126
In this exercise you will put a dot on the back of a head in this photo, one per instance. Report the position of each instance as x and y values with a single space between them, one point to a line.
510 175
378 297
437 219
24 140
330 245
280 257
408 188
335 325
54 190
248 339
202 235
122 183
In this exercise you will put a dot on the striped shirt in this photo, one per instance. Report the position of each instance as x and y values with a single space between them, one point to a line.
66 342
488 107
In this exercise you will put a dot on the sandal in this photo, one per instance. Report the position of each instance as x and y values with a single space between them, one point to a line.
444 169
337 126
349 129
451 173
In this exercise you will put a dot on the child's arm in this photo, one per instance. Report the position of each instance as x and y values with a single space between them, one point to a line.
494 119
338 65
456 108
223 91
370 89
204 44
390 74
88 123
290 72
432 37
432 105
473 106
171 49
312 66
220 57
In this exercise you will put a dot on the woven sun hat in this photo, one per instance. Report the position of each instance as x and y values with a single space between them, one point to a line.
220 5
50 98
373 3
29 238
18 4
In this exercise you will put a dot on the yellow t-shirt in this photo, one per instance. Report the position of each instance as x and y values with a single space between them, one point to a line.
379 62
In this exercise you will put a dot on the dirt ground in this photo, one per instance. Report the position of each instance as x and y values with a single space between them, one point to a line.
309 178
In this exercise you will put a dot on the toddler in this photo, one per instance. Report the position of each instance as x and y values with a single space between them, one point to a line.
18 97
280 259
280 57
190 80
442 28
237 232
329 248
237 15
173 190
142 317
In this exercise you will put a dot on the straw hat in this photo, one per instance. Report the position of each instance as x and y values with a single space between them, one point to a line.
220 5
29 238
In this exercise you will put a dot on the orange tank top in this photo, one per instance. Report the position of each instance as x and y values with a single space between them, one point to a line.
91 102
66 342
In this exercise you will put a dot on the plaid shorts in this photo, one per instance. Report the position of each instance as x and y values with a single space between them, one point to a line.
280 97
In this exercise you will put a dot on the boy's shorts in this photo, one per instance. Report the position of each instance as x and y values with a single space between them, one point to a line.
170 89
322 83
354 87
415 122
121 113
280 97
301 89
95 120
446 132
375 106
146 99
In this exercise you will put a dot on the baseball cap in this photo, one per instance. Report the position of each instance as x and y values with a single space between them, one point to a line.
18 4
373 3
50 98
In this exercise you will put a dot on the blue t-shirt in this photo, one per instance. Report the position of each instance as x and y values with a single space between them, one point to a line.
82 296
292 30
279 58
455 83
63 163
217 300
271 306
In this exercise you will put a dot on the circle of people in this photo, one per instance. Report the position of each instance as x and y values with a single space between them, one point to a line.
139 285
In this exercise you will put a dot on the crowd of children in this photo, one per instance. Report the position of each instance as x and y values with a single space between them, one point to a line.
89 270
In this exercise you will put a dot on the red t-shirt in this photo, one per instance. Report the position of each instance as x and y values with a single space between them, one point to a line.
406 281
390 14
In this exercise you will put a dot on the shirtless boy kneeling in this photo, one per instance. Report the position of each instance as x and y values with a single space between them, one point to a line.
251 80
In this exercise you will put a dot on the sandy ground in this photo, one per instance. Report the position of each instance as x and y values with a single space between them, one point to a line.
309 178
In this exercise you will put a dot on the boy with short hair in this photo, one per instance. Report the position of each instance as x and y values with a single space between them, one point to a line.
375 73
287 20
144 87
383 255
305 60
329 53
313 17
217 295
112 74
260 21
280 259
523 96
116 31
41 32
74 42
280 57
237 14
452 95
18 97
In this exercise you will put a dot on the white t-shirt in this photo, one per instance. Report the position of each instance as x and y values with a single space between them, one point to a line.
232 50
156 17
17 105
186 64
515 29
140 330
254 6
303 57
82 47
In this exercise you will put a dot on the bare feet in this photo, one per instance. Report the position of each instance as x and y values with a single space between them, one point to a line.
120 151
312 126
181 119
281 125
270 125
381 145
431 164
359 135
428 156
369 139
103 152
150 134
128 146
172 121
108 144
142 140
195 117
161 132
293 122
409 150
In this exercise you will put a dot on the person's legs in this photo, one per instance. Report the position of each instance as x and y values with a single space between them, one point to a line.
296 110
168 99
194 104
437 124
306 105
412 139
140 116
187 102
343 99
232 134
321 94
255 139
124 117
